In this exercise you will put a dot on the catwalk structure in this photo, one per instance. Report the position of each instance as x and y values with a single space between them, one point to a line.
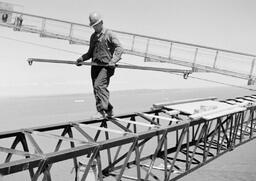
165 142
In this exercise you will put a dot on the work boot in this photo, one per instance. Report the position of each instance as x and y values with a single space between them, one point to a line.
110 113
99 115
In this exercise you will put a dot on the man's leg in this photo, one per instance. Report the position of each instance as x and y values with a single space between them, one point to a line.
94 75
109 110
101 89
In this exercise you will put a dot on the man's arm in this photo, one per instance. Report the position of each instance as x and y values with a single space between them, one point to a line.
118 49
87 55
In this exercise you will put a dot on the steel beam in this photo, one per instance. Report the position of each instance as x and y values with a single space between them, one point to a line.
180 148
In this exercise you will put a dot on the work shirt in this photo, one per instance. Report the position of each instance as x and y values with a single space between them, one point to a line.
104 47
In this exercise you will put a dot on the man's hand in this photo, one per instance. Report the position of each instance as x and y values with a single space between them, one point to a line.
79 61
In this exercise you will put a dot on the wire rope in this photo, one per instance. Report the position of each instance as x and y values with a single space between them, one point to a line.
40 45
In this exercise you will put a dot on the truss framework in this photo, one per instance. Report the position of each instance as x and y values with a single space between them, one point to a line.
160 144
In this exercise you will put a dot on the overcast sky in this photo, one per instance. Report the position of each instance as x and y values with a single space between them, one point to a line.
227 24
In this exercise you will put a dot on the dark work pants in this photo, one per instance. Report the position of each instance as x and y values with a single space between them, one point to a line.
100 81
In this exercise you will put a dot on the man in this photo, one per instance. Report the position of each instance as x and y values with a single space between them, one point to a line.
105 49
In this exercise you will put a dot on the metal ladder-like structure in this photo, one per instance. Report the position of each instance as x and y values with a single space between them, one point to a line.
164 143
196 57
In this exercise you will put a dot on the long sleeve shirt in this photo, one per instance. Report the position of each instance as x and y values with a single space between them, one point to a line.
105 47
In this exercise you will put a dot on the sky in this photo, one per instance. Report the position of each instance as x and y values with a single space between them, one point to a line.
225 24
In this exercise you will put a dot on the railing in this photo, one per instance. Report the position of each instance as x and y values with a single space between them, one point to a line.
197 57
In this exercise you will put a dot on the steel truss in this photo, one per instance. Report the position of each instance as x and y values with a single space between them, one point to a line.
197 57
160 144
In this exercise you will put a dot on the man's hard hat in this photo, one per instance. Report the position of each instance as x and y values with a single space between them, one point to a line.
94 18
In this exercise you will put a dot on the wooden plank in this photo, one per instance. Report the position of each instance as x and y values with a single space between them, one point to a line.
206 109
103 129
167 104
217 112
197 106
172 113
135 122
161 117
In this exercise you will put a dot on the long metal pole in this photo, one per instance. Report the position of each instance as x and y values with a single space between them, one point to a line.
184 71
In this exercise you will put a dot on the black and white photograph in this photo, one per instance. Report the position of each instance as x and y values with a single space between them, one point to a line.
145 90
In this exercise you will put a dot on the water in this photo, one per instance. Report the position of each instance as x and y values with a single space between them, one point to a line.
237 165
25 112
